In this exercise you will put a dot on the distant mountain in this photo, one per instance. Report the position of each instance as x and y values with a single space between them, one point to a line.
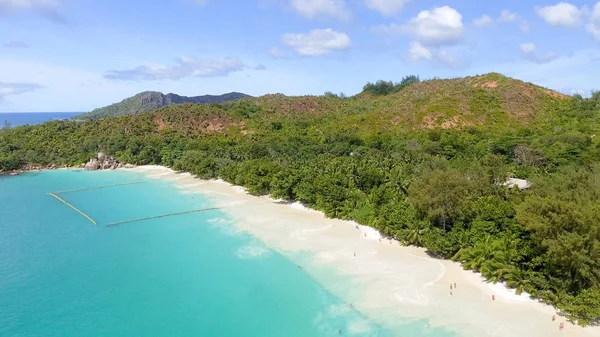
152 100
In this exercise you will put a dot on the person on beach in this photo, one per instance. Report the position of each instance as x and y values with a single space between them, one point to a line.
493 297
354 254
553 318
450 292
561 326
450 286
454 285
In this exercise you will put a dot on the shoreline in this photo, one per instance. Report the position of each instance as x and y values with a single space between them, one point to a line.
37 169
399 281
388 283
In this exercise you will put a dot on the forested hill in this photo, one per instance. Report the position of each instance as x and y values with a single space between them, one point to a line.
152 100
485 100
421 161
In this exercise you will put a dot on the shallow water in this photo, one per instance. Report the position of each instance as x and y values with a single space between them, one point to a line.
186 275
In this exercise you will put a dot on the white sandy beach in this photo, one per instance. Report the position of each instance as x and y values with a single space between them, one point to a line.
387 282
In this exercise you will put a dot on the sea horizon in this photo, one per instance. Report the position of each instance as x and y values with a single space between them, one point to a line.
33 118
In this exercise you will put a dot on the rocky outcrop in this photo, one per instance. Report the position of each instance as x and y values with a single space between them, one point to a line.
92 165
102 162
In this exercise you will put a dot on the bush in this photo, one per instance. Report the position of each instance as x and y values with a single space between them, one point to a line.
381 87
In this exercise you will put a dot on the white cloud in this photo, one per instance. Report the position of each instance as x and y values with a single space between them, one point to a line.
527 48
483 21
9 89
311 9
442 25
436 27
594 25
48 8
317 42
524 26
186 67
277 53
507 16
529 52
431 30
563 14
419 52
386 7
21 5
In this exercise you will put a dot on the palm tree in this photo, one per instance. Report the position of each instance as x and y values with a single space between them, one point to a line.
464 242
414 233
475 257
518 279
385 227
494 270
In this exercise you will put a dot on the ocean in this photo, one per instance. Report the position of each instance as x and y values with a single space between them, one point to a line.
186 275
32 118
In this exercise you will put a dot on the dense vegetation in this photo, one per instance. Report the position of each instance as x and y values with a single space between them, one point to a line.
367 158
387 87
151 100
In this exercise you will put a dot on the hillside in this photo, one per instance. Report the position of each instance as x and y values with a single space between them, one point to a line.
462 102
485 100
152 100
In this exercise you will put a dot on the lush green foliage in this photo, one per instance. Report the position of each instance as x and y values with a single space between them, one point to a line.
441 189
387 87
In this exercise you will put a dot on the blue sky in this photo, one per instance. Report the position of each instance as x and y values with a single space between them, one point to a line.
77 55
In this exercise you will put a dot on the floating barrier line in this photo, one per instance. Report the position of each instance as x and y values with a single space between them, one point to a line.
161 216
98 187
73 207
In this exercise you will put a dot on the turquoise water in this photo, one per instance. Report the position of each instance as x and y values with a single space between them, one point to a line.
188 275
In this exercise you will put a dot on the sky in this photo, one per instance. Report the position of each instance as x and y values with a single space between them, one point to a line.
78 55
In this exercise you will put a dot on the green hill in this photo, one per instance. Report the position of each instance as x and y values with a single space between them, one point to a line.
152 100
